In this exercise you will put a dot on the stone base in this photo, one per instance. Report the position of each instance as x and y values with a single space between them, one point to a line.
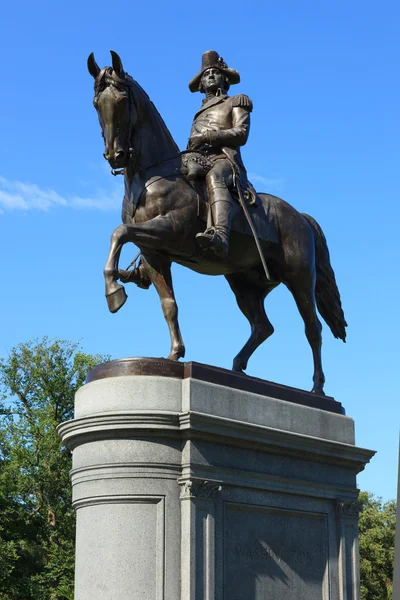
196 483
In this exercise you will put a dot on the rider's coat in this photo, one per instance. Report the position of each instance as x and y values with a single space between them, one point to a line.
226 122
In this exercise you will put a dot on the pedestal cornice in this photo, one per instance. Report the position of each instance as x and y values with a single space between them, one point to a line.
161 367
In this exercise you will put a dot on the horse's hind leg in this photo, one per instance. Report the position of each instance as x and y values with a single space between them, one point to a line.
250 298
158 269
302 286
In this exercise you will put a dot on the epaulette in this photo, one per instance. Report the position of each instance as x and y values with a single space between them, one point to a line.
243 101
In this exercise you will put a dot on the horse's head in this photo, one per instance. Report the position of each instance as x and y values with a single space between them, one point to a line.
116 108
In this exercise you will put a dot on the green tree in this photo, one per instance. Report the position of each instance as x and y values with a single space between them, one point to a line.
377 526
38 381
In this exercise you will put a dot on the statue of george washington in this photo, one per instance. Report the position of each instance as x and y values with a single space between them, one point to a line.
219 128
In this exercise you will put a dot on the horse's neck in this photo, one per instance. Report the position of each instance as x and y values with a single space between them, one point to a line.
151 148
152 141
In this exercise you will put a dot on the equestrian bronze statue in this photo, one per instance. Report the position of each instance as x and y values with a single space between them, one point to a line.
198 209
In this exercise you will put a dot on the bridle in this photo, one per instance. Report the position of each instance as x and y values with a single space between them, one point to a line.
132 153
131 102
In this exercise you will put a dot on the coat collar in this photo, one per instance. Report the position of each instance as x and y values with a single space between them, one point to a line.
211 102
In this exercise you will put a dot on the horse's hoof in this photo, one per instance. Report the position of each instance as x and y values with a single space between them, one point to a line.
116 299
318 391
176 355
239 366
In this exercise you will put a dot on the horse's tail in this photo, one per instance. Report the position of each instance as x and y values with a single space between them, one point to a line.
326 291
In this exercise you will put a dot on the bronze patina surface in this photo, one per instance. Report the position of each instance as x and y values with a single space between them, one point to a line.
166 214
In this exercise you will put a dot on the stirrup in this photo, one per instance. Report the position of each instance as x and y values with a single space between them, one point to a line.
206 238
213 239
136 275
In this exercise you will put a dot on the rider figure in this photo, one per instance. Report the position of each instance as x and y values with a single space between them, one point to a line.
219 128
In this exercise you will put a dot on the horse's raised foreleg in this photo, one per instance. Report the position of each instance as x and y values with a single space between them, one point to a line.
250 299
152 234
115 293
158 268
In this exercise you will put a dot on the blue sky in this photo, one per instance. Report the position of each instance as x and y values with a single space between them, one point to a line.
325 134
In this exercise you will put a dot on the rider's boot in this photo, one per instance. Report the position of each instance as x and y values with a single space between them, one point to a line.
216 238
137 275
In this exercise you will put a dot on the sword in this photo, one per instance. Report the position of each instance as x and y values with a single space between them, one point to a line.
243 204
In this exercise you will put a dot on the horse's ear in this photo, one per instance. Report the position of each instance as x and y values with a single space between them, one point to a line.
92 66
117 64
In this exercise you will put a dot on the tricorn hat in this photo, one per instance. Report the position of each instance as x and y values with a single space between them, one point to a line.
213 59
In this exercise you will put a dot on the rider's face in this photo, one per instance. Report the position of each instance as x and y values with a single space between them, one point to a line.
212 79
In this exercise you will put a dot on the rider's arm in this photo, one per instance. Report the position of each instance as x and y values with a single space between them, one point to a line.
239 132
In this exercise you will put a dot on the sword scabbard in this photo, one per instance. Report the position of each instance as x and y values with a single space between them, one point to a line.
242 203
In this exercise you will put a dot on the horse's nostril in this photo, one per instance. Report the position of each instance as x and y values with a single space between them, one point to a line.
119 154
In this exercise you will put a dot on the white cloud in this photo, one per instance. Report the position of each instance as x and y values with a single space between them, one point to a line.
274 184
18 195
100 201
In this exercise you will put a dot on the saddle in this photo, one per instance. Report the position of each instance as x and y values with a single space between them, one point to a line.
195 165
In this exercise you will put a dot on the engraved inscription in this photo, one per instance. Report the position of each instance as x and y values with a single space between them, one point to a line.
260 552
274 553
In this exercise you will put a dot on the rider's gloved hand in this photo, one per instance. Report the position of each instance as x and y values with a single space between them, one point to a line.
197 140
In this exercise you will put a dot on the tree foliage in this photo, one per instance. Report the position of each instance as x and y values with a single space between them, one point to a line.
377 526
38 381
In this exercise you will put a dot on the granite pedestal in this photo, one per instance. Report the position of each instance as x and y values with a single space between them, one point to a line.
195 483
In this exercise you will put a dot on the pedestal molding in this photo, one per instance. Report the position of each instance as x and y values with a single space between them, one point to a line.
125 470
199 425
117 499
115 424
274 483
195 425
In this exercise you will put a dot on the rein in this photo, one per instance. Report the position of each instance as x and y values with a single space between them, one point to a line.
132 152
131 98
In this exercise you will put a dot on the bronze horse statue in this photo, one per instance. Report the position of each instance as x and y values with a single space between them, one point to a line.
163 211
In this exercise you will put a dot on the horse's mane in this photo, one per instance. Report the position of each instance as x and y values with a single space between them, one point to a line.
107 77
